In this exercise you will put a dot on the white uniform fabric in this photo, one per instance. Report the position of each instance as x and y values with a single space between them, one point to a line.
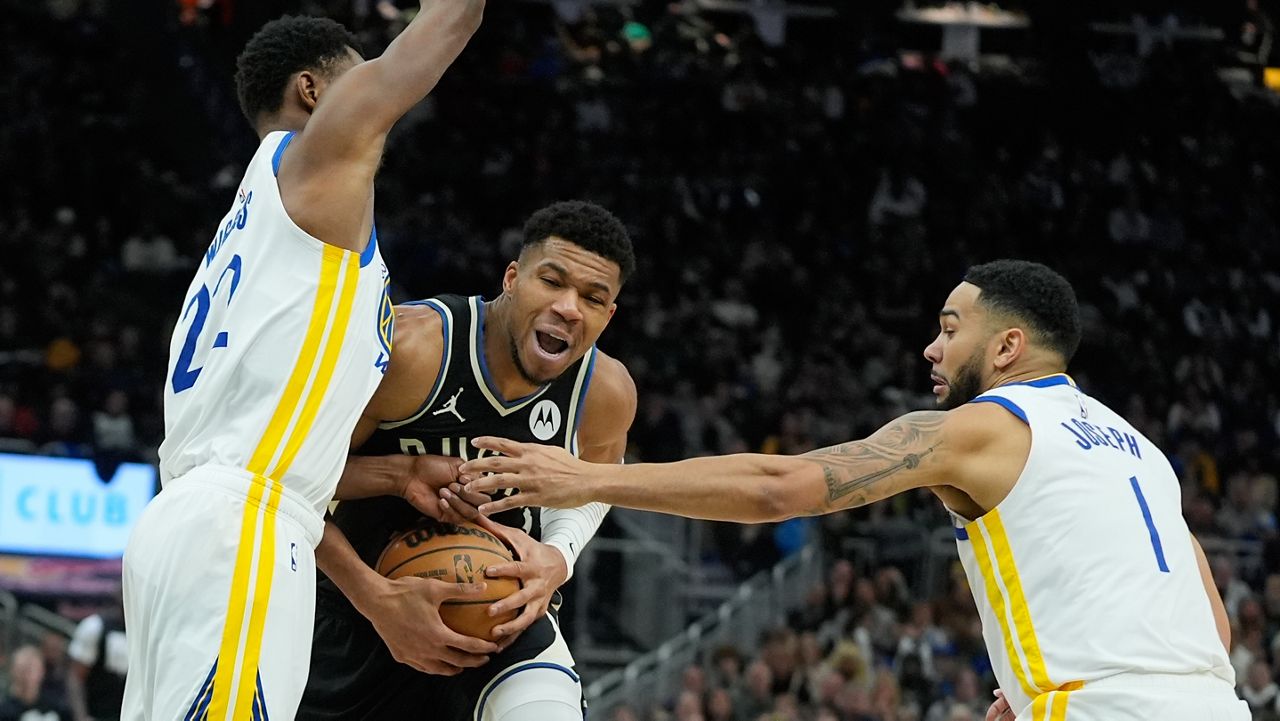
281 341
1086 571
543 688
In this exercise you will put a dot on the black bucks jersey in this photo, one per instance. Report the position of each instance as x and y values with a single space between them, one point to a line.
464 404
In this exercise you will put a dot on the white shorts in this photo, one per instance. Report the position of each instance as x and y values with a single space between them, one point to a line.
1142 697
219 597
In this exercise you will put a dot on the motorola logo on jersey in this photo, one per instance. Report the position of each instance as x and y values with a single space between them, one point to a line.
544 421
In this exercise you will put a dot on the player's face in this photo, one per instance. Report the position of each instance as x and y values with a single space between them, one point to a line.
959 352
563 297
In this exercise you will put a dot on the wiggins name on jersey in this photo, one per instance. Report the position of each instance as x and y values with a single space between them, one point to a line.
464 404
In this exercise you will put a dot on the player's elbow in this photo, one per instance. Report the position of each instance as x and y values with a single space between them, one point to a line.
778 499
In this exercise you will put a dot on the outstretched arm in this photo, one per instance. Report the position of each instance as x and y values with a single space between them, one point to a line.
910 452
326 174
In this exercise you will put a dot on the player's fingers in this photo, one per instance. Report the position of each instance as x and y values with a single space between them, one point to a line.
520 598
500 445
515 569
486 484
462 659
469 645
471 498
459 507
502 504
517 625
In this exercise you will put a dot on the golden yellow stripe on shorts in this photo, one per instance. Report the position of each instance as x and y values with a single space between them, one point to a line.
261 595
1018 601
996 598
1060 700
1040 707
334 341
267 446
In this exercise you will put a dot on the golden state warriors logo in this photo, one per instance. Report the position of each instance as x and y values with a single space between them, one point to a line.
386 322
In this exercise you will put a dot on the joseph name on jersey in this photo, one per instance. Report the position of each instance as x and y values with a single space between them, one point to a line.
1086 569
280 342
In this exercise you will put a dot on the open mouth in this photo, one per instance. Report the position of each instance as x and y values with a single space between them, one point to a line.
550 343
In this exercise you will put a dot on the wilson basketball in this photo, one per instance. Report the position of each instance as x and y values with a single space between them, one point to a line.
456 554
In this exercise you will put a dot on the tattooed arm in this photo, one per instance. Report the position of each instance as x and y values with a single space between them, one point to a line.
919 449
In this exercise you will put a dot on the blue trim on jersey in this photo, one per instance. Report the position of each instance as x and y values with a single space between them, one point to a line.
275 159
1007 404
478 303
444 358
582 397
367 255
201 703
961 534
1057 379
511 672
1151 525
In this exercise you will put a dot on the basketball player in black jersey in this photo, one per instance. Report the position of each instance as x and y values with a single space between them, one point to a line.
523 365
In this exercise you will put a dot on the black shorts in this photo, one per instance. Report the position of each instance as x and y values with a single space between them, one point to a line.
354 678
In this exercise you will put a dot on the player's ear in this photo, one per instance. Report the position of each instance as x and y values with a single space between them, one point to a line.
509 277
307 87
1012 343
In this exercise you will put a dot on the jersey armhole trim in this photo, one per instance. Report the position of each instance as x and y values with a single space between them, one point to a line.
446 328
584 383
366 255
1005 403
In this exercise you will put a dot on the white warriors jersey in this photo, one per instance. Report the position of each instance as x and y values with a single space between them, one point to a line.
1086 569
281 341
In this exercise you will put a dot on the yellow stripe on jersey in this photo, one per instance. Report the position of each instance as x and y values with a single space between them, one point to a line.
302 428
1017 601
977 535
286 407
328 362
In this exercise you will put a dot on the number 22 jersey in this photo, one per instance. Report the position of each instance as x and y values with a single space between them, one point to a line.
279 344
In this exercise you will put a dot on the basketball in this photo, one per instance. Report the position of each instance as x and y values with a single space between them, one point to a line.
457 553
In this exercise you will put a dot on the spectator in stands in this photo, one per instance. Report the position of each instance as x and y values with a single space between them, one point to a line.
99 661
24 700
53 649
1260 691
755 695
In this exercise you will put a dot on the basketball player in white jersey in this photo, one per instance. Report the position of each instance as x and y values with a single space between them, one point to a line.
283 336
1096 601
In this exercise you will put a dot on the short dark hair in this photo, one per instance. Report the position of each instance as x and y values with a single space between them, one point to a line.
281 48
1034 294
587 226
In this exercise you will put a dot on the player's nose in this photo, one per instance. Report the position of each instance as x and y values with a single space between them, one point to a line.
566 306
933 351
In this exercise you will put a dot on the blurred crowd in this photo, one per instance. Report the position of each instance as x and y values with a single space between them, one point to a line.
799 212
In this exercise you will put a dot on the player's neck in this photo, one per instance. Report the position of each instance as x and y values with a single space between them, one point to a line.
506 376
286 120
1023 374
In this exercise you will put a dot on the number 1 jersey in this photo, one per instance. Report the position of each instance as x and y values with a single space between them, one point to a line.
279 344
1086 569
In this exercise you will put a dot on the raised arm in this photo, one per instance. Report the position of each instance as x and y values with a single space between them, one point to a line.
912 451
326 174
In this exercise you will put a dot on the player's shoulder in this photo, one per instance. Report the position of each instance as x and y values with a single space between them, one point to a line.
611 382
976 426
